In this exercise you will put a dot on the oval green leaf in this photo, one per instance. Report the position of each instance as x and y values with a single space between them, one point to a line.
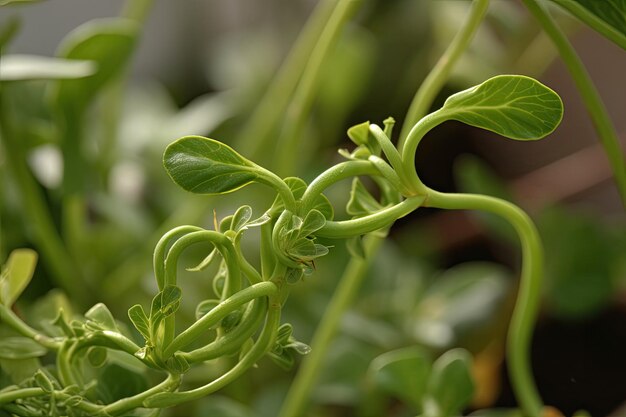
513 106
33 67
205 166
16 275
403 373
608 17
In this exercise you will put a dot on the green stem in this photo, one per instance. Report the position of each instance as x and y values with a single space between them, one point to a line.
272 106
311 366
47 238
10 396
7 316
262 345
596 109
413 139
232 341
529 294
300 106
262 289
336 173
370 223
162 248
126 404
439 74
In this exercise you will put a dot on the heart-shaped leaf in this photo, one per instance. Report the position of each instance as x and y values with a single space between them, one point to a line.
403 373
16 275
608 17
205 166
450 387
513 106
33 67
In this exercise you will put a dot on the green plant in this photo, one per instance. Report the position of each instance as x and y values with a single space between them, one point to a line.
248 299
241 323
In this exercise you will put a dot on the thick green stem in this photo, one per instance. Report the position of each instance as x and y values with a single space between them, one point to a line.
529 294
126 404
300 106
299 393
262 289
370 223
439 74
262 345
599 116
332 175
8 317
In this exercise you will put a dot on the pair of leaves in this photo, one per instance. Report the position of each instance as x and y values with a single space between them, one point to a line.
441 388
16 275
164 304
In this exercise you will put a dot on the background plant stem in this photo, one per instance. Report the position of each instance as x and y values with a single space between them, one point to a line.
55 255
598 113
311 366
298 110
439 75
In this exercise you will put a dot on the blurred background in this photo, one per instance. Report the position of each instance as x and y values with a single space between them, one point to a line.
443 279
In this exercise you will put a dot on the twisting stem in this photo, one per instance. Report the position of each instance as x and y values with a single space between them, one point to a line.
439 74
529 294
601 120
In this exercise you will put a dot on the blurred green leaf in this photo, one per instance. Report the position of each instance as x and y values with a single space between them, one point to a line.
608 17
17 347
19 370
450 387
106 42
110 389
403 373
462 303
582 256
17 2
16 275
513 106
97 356
34 67
206 166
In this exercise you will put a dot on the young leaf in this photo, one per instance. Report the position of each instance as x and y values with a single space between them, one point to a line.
513 106
205 166
313 222
403 373
241 218
140 321
18 347
359 134
608 17
101 317
361 202
16 275
170 299
205 262
33 67
450 387
204 307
